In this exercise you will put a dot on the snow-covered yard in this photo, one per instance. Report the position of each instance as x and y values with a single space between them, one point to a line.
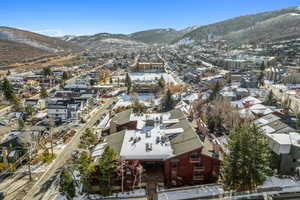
141 76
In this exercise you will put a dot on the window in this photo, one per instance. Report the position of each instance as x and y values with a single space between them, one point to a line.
174 163
194 156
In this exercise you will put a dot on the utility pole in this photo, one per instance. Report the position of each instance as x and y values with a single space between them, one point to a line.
29 161
51 124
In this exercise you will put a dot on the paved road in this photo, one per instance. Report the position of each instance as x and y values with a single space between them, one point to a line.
41 186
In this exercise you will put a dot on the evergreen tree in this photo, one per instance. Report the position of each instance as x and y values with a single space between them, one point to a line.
47 71
29 110
161 82
102 173
298 121
8 90
138 107
168 101
84 162
67 184
248 162
270 100
106 168
10 95
215 91
43 93
128 83
65 75
88 138
261 78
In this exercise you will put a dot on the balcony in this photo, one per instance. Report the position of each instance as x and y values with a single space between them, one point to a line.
198 177
195 159
199 168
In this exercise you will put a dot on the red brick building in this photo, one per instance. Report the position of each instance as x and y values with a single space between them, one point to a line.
166 145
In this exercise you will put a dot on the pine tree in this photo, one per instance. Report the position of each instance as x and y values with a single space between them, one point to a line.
168 101
67 184
261 78
161 82
8 90
65 75
106 168
128 83
29 110
47 71
43 93
215 91
298 121
270 100
10 95
247 164
102 173
88 138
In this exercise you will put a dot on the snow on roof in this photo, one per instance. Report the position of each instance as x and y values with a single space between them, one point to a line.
280 143
191 97
40 115
251 100
172 131
260 109
99 149
237 104
139 145
281 138
170 121
266 119
267 129
246 114
141 76
191 192
97 153
295 138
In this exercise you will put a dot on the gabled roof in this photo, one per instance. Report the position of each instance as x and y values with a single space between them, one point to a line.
186 141
177 114
115 141
266 119
251 100
122 117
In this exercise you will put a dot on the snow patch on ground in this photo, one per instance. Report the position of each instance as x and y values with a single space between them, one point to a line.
146 99
140 76
120 41
21 39
185 41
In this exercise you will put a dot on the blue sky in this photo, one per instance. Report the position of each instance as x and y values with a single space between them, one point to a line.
125 16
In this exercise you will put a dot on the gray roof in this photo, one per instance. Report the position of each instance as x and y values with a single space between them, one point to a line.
177 114
277 125
122 117
186 141
115 141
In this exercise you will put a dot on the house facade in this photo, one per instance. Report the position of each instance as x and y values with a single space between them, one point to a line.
166 145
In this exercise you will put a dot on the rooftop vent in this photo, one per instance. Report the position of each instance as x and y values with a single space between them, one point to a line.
148 134
148 147
157 139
